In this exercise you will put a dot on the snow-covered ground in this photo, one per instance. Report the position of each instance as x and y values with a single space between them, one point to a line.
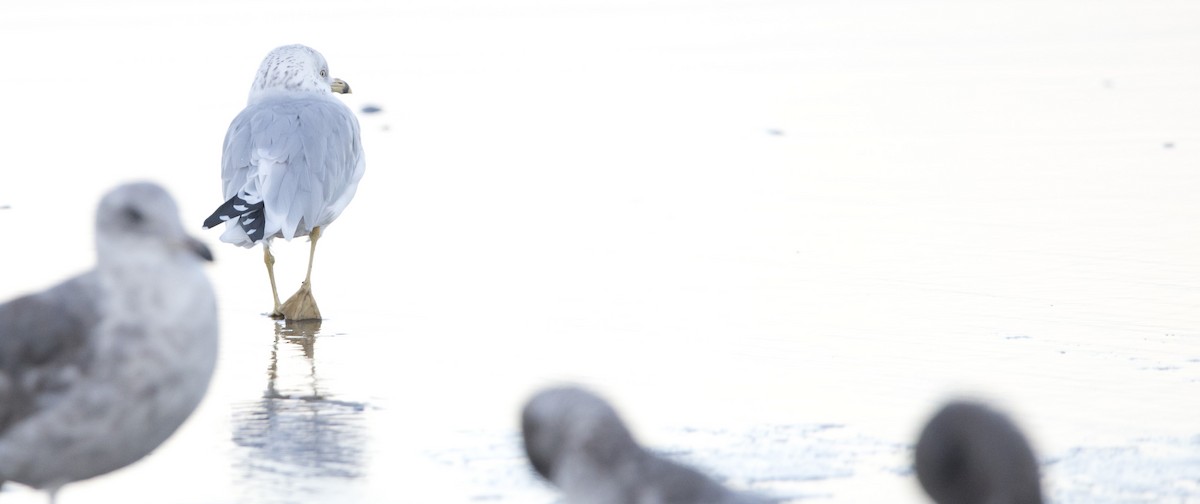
776 234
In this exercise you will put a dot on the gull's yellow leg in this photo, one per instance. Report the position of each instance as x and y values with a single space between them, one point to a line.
270 261
302 305
312 250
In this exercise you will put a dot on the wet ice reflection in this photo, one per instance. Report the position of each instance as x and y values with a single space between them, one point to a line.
299 431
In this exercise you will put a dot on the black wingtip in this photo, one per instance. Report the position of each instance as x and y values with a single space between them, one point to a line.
237 207
258 234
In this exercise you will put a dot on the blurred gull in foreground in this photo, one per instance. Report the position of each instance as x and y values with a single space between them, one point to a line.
98 371
575 440
291 164
969 454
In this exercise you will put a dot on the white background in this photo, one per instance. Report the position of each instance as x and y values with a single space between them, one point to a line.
721 215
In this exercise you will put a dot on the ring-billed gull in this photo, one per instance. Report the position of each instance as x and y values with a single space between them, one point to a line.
970 454
575 440
99 370
291 164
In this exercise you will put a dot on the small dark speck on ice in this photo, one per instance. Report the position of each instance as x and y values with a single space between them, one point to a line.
775 132
1168 145
372 109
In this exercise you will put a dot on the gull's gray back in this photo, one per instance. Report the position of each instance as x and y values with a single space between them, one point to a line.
43 344
306 152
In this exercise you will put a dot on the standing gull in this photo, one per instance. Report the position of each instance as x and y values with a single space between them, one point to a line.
291 164
575 440
99 370
970 454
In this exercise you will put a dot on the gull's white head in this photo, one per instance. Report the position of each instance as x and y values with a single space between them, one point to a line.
295 68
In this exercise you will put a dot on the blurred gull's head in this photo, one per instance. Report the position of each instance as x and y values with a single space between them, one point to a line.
576 441
138 224
564 423
970 454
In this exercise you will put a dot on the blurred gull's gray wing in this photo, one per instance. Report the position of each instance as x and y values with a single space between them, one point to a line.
301 158
43 344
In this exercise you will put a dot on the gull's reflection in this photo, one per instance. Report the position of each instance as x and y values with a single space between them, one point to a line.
297 431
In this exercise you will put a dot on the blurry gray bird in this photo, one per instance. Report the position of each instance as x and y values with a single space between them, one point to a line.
98 371
575 440
970 454
291 164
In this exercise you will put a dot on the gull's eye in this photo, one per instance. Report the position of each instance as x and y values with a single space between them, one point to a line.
134 215
323 72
